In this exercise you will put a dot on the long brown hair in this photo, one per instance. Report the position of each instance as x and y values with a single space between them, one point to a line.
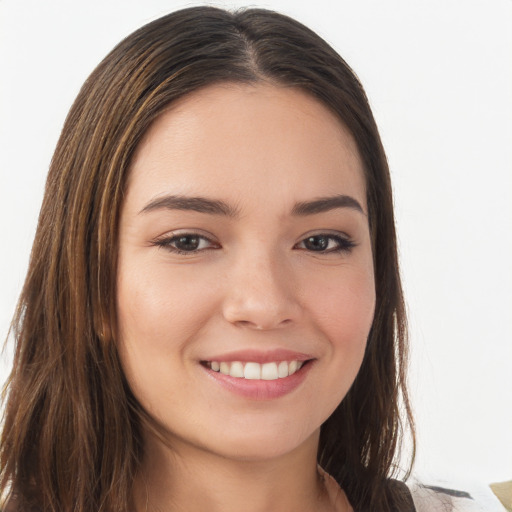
72 429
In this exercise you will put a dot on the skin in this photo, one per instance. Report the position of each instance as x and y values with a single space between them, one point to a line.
251 283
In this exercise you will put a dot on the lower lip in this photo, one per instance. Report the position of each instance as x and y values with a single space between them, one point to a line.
258 389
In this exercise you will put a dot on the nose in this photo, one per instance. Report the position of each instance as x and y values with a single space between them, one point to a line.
260 294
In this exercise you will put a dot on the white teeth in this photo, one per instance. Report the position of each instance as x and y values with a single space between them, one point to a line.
269 371
256 371
252 371
224 368
237 369
282 369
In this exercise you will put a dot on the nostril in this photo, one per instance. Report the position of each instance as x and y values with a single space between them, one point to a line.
261 326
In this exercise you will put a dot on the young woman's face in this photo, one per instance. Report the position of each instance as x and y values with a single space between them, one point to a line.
245 279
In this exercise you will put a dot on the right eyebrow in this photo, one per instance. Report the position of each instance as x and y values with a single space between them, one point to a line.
196 204
324 204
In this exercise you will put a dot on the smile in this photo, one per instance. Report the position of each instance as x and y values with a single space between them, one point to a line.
256 371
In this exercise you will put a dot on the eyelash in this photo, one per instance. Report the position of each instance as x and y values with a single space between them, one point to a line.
343 243
166 243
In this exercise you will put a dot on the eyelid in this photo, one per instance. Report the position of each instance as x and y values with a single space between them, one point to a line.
346 243
165 241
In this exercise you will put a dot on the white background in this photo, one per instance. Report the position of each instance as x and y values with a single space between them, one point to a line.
439 77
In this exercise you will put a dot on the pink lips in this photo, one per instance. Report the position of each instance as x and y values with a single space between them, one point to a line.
258 356
260 389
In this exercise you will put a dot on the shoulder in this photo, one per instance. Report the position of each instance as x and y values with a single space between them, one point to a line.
441 496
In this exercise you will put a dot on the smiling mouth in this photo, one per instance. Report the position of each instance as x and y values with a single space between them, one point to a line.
256 371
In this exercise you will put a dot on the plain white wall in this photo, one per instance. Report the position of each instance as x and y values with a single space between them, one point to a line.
439 77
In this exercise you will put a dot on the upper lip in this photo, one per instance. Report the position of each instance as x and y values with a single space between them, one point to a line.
259 356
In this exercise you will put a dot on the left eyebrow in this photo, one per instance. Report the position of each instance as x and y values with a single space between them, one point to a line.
325 204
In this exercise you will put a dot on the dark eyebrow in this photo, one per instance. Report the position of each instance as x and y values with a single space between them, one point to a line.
218 207
324 204
196 204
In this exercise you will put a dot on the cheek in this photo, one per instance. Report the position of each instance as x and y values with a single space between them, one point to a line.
157 306
160 313
154 324
147 310
344 307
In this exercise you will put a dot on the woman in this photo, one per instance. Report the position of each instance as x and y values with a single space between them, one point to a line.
212 317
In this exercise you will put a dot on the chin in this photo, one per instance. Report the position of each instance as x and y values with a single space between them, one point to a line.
260 444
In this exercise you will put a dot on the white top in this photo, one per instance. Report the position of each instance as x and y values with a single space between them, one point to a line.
441 496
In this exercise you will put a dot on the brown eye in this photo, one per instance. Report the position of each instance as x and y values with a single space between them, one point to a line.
187 242
316 243
324 243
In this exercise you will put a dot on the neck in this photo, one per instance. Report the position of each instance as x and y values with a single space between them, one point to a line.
186 478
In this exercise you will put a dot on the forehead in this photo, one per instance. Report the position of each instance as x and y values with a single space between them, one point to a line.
240 140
